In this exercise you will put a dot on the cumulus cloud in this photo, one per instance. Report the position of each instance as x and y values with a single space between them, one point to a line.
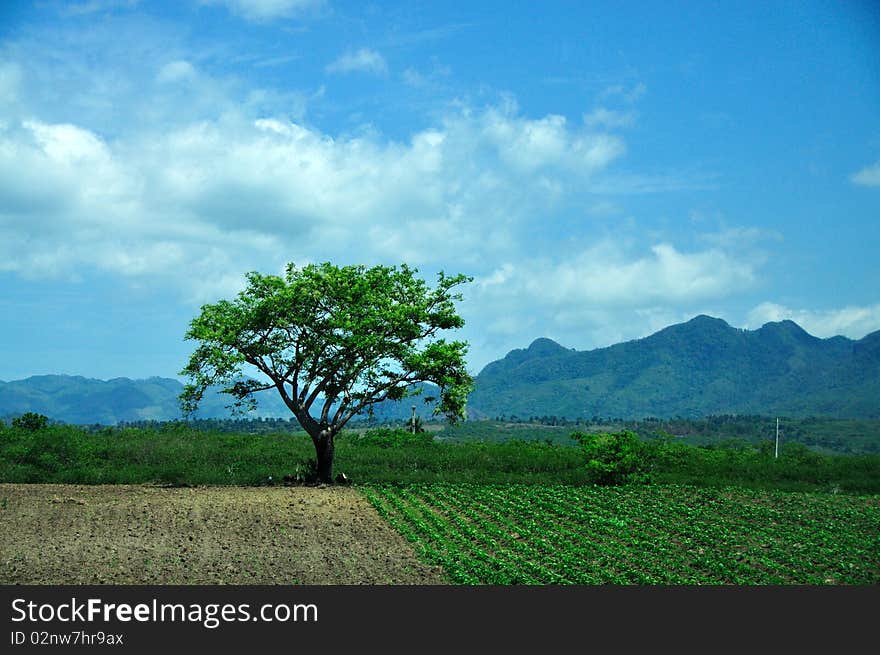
604 274
262 188
851 321
211 177
263 10
362 61
600 295
181 180
533 144
868 176
56 170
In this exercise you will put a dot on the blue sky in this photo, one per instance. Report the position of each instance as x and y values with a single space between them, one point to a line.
602 170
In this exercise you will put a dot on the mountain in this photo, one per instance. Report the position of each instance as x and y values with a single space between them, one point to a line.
697 368
692 369
79 400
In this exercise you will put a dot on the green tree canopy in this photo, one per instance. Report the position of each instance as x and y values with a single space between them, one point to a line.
30 421
333 341
612 457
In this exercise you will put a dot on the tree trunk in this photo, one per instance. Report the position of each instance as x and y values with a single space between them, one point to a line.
324 447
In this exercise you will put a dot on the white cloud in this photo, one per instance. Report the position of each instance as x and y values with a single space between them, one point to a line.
264 10
116 78
609 118
605 275
363 61
68 144
176 71
271 188
53 172
868 176
188 186
852 321
597 296
529 145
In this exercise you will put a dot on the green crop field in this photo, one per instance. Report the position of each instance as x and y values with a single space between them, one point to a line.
527 512
670 534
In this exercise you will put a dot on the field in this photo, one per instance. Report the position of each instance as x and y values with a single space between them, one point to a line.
173 505
515 534
137 534
435 534
829 436
179 455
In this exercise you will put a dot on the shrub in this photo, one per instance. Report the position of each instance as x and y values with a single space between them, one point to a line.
613 458
394 437
30 421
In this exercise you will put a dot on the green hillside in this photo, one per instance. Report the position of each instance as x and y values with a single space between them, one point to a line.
698 368
84 401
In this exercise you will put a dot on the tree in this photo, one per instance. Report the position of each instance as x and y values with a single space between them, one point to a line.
334 342
613 458
30 421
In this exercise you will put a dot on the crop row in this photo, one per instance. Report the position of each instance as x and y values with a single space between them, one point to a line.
527 534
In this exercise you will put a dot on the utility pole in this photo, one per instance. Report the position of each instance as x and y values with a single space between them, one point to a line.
776 454
412 421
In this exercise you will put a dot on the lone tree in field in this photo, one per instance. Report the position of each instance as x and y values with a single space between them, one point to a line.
333 342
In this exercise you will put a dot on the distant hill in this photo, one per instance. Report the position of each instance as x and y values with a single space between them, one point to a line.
692 369
78 400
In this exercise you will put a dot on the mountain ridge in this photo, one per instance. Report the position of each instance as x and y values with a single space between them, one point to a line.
699 367
81 400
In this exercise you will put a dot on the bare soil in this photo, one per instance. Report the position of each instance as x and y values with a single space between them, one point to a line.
71 534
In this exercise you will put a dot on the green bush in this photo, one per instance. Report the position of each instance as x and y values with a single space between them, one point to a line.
30 421
394 438
177 455
614 458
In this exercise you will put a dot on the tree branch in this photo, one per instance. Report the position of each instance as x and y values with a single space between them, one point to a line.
263 388
304 418
367 364
343 405
325 410
373 399
315 393
260 364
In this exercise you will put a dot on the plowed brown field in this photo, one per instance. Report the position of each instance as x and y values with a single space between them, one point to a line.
70 534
